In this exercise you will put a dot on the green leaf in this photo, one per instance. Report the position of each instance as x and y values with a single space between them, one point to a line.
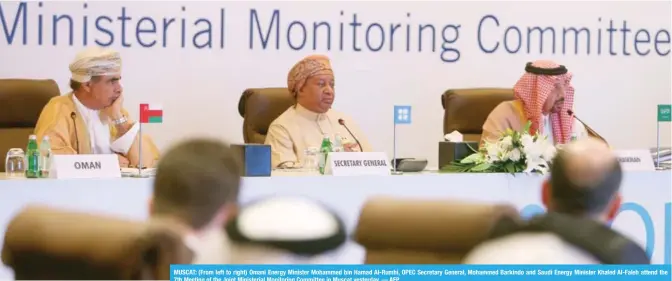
481 167
473 158
527 126
456 167
510 167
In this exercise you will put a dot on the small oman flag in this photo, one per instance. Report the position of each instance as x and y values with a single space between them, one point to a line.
151 113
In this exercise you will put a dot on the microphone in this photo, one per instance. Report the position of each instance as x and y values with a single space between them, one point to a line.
342 122
589 129
72 116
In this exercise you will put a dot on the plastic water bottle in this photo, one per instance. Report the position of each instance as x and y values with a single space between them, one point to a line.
325 148
338 143
45 157
32 158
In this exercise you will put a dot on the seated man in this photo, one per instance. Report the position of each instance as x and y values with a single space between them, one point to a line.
544 96
91 119
197 186
304 125
582 195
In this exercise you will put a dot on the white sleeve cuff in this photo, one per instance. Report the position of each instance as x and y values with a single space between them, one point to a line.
123 143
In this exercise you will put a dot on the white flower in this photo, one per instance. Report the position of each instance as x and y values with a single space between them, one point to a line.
549 152
493 151
537 164
506 142
514 154
526 140
533 150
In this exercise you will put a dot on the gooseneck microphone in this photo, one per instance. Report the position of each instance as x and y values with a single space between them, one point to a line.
589 129
74 123
342 122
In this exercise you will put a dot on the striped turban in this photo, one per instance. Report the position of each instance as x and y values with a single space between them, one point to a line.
306 68
533 90
95 61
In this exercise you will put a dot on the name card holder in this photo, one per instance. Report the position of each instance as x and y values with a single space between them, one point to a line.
85 166
357 164
635 160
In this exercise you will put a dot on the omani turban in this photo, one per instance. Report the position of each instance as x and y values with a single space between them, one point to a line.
304 69
95 62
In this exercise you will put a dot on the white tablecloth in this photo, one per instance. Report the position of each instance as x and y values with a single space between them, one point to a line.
646 198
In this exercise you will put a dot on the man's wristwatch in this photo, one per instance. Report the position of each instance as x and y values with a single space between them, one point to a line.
120 121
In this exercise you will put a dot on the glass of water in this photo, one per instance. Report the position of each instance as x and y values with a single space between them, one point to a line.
15 165
310 158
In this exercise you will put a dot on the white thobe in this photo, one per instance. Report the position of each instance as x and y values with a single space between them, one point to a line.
298 129
215 247
578 129
99 132
528 248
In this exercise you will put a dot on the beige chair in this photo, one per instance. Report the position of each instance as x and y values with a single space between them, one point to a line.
466 110
259 107
412 231
43 243
21 101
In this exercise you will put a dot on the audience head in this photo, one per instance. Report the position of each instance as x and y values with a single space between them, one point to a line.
197 182
311 81
585 181
96 75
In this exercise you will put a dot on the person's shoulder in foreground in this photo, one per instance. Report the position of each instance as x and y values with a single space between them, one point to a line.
528 248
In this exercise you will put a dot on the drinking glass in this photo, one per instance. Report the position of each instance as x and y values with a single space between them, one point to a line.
15 163
310 157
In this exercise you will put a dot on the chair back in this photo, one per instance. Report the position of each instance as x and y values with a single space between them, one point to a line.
21 102
43 243
466 110
410 231
259 107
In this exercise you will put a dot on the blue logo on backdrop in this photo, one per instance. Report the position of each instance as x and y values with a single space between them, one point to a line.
402 114
82 24
649 227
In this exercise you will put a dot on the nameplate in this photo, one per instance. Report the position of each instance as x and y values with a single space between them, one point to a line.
85 166
357 164
635 160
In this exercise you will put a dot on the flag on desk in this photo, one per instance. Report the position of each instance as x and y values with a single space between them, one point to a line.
151 113
402 114
665 113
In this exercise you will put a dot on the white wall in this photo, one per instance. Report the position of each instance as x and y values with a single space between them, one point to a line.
199 88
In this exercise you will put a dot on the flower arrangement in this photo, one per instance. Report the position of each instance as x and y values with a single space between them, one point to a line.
514 152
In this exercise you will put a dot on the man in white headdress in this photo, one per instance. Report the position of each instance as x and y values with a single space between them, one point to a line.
91 118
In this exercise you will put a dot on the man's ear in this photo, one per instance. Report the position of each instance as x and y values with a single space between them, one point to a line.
86 86
546 193
614 207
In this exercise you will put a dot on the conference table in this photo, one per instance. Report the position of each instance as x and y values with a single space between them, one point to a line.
645 213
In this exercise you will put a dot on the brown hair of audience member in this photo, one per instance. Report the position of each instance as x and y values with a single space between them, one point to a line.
585 181
197 182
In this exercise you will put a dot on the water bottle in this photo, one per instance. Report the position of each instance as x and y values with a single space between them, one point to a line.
338 143
45 157
32 158
325 148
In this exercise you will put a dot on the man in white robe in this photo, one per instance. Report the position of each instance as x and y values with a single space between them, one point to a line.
543 96
304 125
91 119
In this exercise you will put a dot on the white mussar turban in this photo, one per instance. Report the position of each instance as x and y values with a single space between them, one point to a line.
95 62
